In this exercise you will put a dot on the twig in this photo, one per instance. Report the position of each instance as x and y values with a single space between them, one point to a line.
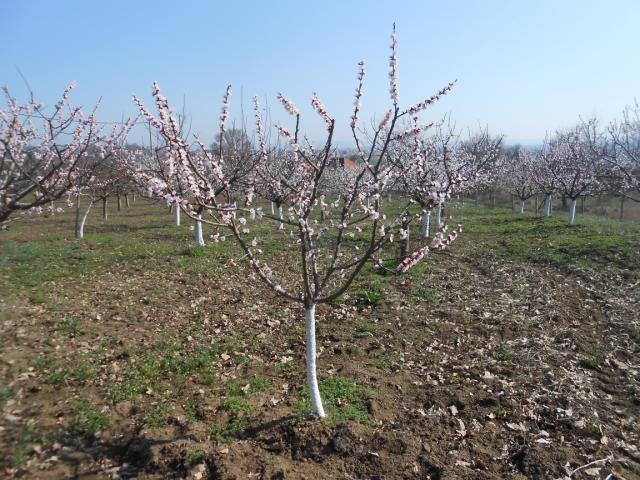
603 461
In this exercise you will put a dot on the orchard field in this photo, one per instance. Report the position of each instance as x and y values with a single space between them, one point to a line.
132 353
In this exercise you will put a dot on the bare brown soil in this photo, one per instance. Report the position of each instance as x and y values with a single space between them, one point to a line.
514 370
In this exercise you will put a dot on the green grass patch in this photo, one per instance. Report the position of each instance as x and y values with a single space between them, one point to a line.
87 419
503 353
425 293
342 398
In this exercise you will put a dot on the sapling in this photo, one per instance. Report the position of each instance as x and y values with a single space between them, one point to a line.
327 251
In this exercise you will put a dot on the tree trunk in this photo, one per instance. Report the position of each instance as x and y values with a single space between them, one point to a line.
198 232
80 232
77 227
521 206
622 198
280 217
312 377
177 215
126 200
438 215
134 198
426 224
547 206
104 209
119 202
404 242
572 211
273 208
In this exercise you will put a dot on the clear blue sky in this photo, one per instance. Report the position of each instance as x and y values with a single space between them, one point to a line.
523 67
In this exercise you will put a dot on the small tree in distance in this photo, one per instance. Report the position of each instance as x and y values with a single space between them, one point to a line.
330 239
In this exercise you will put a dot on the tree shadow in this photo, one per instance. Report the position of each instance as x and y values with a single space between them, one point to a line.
131 457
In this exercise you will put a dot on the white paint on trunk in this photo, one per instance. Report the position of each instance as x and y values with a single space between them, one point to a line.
547 206
198 233
426 223
80 233
439 215
312 378
572 211
281 225
177 215
273 208
521 206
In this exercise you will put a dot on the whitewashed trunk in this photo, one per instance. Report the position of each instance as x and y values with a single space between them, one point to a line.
312 378
280 225
439 215
426 224
572 211
198 232
177 215
547 206
273 208
80 232
521 206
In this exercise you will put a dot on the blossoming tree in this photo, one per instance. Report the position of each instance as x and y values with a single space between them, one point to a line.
518 175
40 151
327 251
578 168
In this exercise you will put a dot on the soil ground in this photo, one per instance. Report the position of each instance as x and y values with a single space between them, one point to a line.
132 354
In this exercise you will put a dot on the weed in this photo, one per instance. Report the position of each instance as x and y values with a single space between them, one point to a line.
289 370
6 393
503 354
425 293
258 384
501 411
69 328
369 297
592 363
87 419
194 456
342 398
157 417
240 411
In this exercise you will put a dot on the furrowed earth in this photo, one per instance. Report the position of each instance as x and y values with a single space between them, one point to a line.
133 354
